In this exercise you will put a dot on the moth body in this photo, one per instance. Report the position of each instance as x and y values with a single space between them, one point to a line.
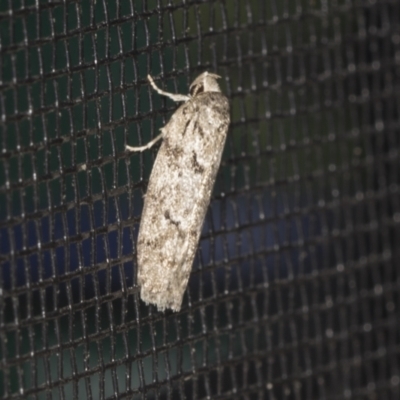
179 191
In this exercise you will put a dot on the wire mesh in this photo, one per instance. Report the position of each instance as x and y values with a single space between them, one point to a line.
294 293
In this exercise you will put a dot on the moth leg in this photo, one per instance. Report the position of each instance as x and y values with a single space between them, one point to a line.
172 96
146 146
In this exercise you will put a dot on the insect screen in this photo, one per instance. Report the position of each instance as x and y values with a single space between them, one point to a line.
294 291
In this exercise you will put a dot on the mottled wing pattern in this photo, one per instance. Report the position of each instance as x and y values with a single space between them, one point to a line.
185 170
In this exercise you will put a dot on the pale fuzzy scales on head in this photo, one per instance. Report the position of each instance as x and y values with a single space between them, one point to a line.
206 82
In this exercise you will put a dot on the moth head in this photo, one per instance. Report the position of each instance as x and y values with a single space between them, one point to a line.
206 82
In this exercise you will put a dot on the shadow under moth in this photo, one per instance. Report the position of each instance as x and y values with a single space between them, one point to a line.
179 190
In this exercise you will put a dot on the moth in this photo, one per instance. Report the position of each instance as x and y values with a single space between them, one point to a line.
179 190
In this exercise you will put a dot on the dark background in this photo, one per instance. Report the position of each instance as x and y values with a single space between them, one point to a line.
294 292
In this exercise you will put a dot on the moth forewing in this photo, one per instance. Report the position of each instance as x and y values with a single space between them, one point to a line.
179 191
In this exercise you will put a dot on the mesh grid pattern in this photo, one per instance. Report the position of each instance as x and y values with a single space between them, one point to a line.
294 293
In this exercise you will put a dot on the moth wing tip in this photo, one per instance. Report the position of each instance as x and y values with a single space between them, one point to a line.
162 302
